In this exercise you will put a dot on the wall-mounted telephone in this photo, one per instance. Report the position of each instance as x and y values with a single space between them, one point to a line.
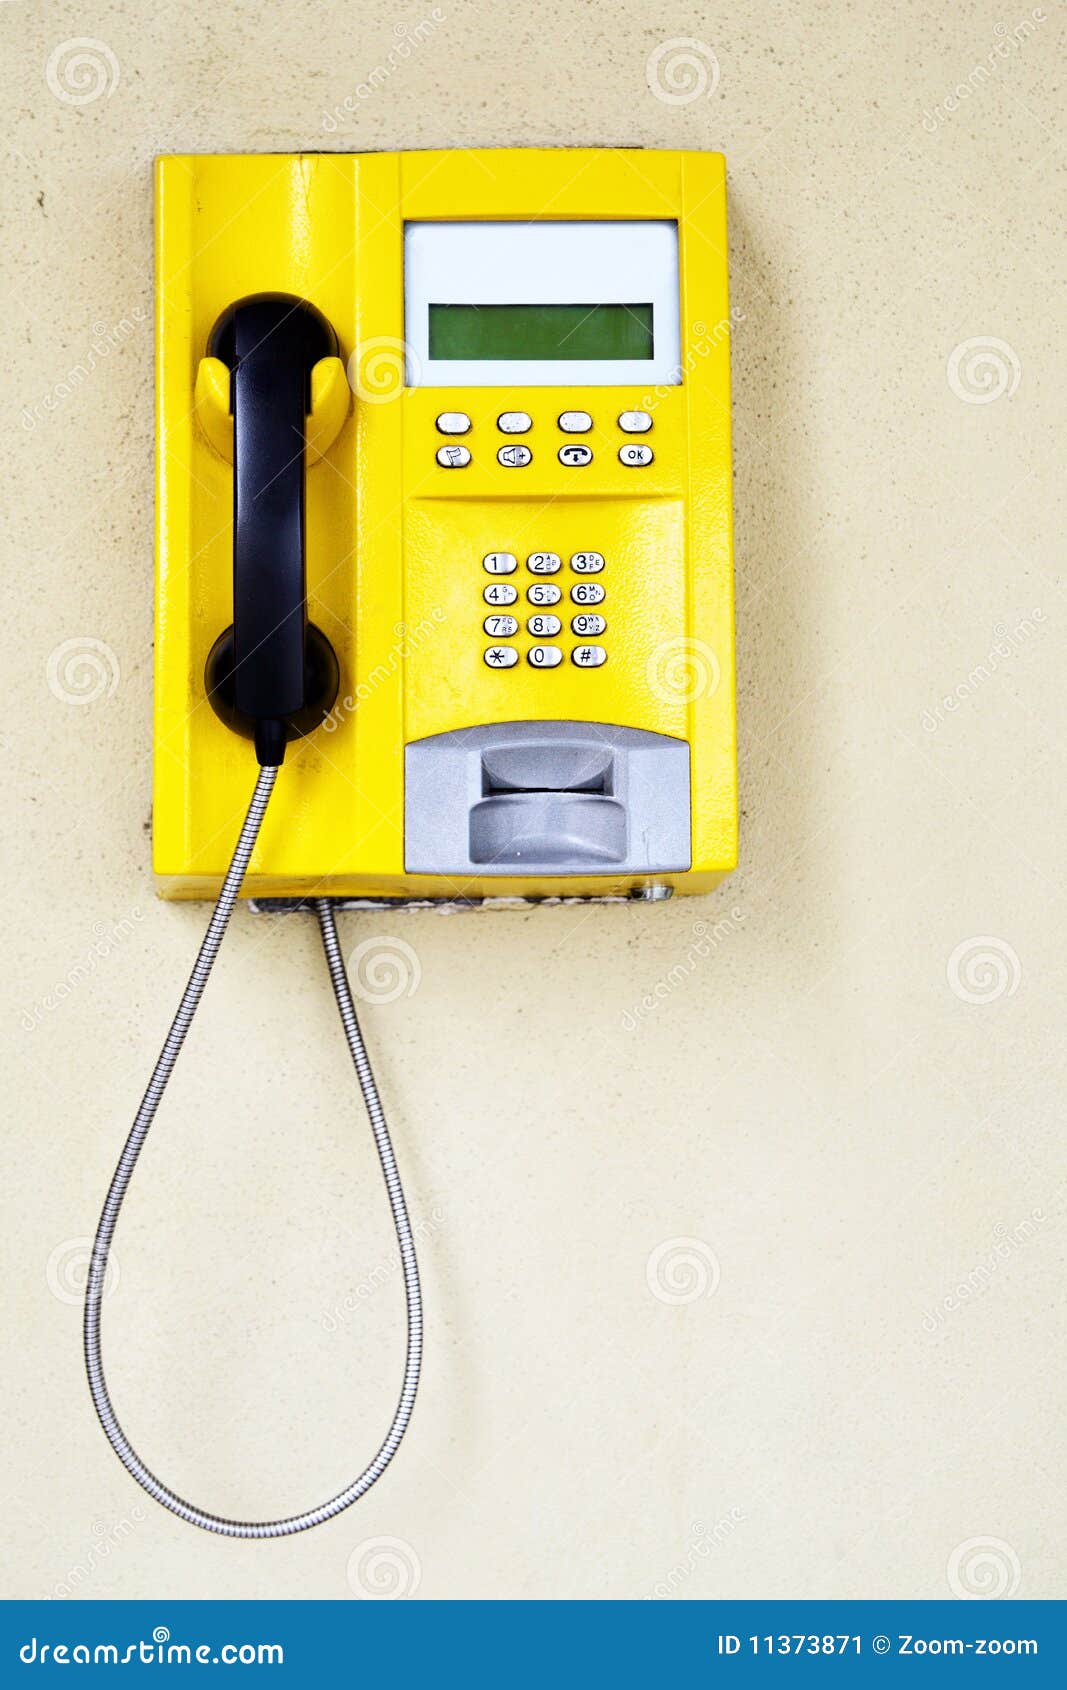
443 524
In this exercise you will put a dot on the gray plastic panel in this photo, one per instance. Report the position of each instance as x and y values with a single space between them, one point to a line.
547 798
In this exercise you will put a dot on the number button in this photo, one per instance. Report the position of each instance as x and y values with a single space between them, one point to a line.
543 563
587 592
453 422
576 456
544 656
453 457
635 456
635 422
514 422
587 563
501 592
501 656
502 627
588 625
543 592
514 457
589 656
575 422
500 563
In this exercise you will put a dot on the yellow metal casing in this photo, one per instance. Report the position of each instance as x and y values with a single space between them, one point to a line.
395 543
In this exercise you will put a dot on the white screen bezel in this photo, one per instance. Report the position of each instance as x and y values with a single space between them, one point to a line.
502 263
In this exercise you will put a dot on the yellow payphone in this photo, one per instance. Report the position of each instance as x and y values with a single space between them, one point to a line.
443 526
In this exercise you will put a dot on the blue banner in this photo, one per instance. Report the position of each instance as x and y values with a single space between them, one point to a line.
540 1644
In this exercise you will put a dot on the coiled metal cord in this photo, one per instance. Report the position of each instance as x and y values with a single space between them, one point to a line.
128 1161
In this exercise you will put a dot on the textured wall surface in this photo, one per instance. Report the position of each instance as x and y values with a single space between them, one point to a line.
741 1219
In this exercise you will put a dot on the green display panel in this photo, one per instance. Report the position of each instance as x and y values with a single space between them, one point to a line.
541 332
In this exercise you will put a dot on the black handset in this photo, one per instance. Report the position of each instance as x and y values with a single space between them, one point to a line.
272 675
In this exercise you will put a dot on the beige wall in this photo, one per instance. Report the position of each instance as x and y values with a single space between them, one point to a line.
847 1096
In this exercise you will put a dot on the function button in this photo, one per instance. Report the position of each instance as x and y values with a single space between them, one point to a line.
500 563
501 592
544 656
453 457
514 457
453 422
501 656
635 422
543 563
543 627
634 456
514 422
589 656
587 563
502 627
543 592
587 625
576 456
587 592
575 422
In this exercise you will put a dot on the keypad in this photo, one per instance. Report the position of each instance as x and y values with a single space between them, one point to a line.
516 454
543 625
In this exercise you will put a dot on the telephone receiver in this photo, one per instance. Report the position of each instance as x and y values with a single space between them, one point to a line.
271 675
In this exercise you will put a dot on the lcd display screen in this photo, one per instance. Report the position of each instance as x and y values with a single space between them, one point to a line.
556 333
